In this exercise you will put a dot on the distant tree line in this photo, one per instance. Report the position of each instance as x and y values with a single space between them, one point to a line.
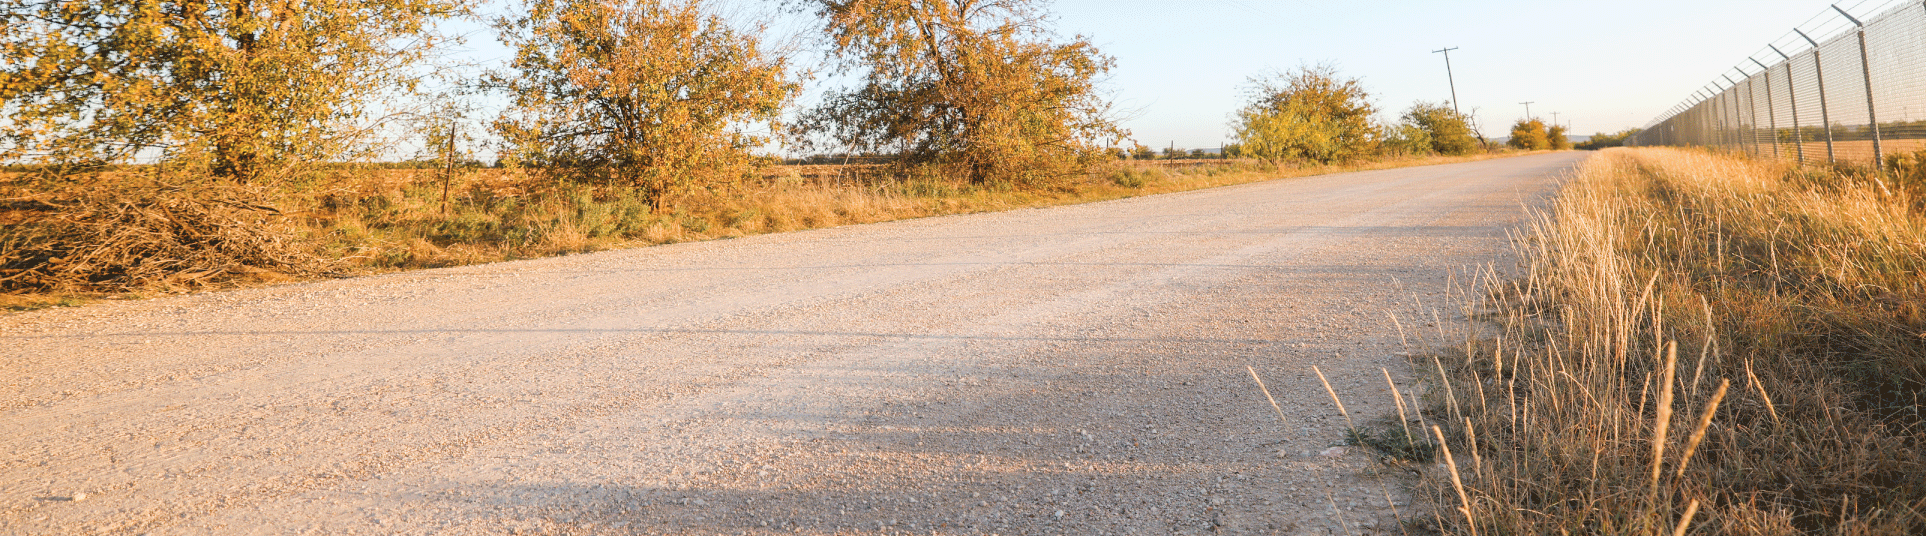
1602 140
1313 114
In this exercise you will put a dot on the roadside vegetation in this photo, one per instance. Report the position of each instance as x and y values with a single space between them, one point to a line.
1700 343
1315 114
166 147
110 236
1606 141
1533 135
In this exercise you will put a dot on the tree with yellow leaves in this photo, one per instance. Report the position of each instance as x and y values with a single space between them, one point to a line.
978 88
645 93
238 90
1530 135
1310 114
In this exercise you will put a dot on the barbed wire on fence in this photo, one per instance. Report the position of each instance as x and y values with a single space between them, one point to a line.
1847 85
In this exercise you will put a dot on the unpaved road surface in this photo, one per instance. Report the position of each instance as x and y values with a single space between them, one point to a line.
1071 370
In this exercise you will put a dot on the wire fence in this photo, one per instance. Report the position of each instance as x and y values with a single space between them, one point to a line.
1848 85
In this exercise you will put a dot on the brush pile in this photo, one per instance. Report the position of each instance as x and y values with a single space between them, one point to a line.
83 237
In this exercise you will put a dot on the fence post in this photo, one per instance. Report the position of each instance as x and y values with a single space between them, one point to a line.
1865 67
1772 112
1792 96
1701 125
1718 118
1739 130
1825 110
1752 109
1708 129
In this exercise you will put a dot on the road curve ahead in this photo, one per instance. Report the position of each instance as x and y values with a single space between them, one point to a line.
1077 369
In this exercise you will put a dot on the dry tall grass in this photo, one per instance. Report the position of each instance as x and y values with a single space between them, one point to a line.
1701 344
362 220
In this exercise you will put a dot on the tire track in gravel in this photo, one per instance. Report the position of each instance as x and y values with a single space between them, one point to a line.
1065 370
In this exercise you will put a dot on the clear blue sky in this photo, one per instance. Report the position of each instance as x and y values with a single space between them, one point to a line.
1604 66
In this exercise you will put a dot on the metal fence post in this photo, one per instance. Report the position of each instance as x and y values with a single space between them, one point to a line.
1708 128
1708 122
1792 96
1865 67
1772 112
1718 114
1740 131
1825 110
1738 120
1752 111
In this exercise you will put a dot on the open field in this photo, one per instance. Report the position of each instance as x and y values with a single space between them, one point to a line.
1706 341
1063 370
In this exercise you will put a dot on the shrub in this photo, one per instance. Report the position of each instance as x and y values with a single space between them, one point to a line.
1447 131
1309 114
1406 138
1530 135
638 92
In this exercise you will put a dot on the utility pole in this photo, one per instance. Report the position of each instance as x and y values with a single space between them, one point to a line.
1555 119
1527 109
1452 79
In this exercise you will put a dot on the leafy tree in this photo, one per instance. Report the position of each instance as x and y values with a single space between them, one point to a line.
1530 135
648 93
1555 135
1447 131
240 90
1140 152
1308 114
979 86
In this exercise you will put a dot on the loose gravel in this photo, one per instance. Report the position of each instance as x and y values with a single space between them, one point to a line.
1069 370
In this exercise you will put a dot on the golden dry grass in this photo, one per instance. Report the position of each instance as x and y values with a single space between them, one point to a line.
1701 344
372 220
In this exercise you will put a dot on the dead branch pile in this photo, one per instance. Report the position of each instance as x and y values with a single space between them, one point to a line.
121 239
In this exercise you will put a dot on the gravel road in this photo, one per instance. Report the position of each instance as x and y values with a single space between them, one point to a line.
1069 370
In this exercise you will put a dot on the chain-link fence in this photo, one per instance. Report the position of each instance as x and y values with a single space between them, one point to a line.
1849 85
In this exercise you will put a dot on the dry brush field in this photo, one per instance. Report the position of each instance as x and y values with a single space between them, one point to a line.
1699 343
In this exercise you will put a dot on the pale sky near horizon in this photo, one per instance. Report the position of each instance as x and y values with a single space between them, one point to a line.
1604 66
